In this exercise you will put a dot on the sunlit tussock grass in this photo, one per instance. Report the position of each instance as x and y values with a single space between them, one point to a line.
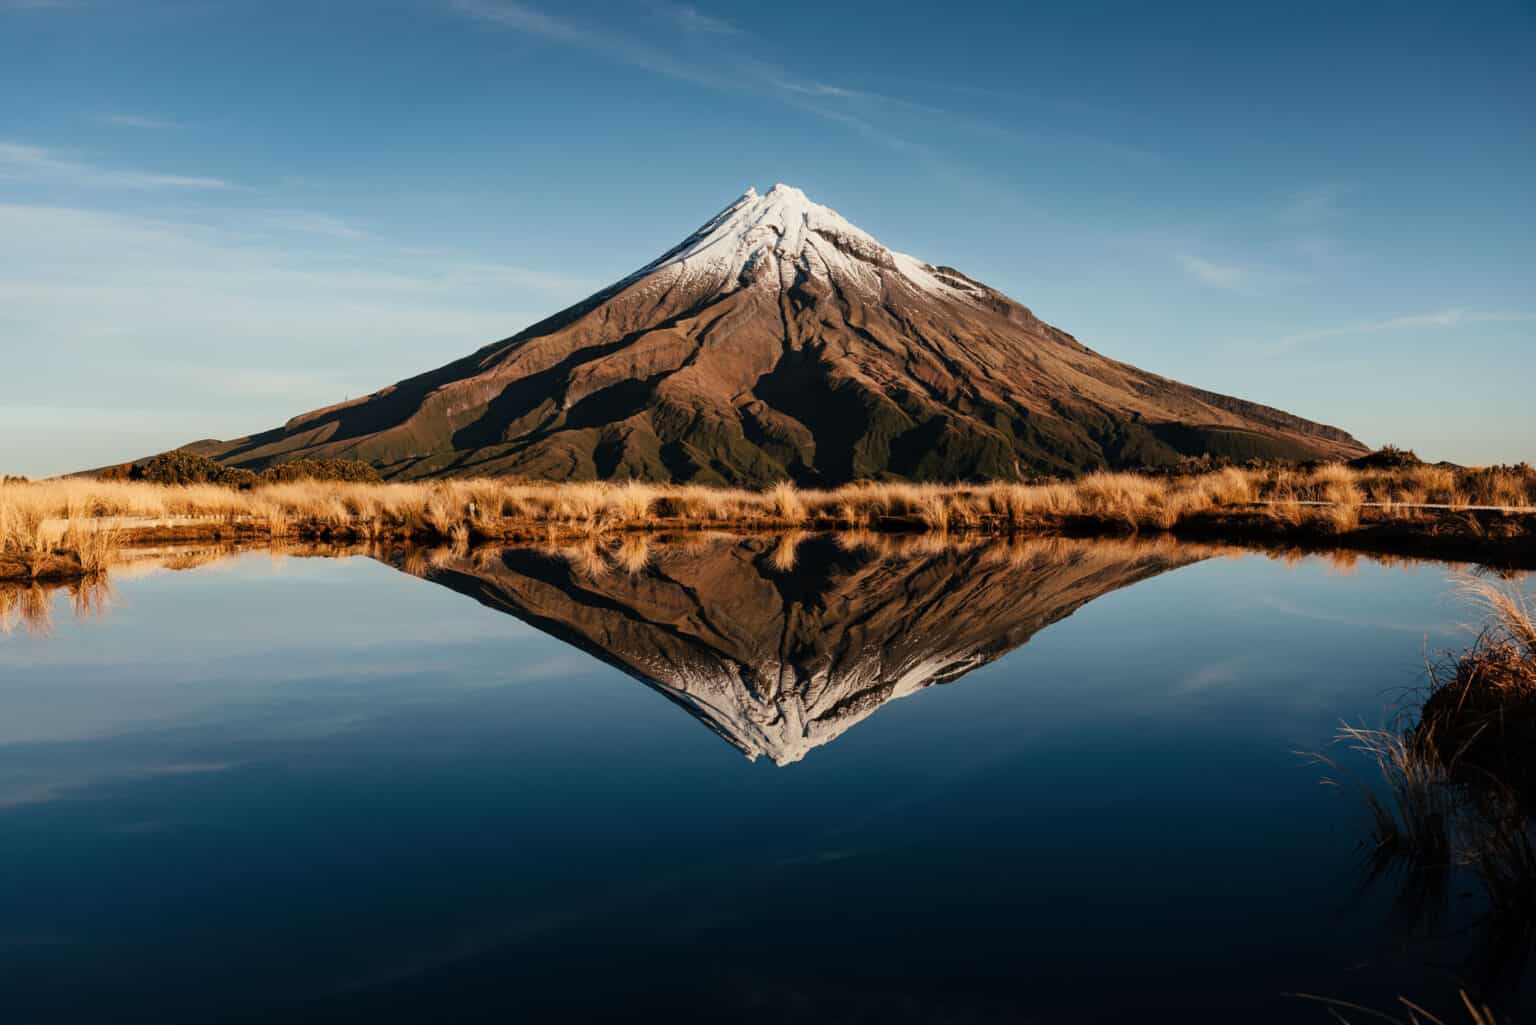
45 530
1332 499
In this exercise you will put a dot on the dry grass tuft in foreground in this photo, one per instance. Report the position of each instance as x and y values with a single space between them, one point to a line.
1476 728
1480 716
1456 799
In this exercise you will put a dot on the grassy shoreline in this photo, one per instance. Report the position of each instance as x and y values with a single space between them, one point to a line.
58 529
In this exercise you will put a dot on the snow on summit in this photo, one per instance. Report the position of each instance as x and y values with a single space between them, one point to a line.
773 238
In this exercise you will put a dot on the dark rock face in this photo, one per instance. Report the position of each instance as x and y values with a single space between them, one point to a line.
779 659
780 341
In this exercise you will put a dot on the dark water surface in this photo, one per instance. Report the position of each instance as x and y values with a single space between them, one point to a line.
700 784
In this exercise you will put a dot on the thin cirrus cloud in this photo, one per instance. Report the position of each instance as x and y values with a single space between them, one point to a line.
224 321
136 121
743 74
691 19
523 18
1246 279
40 165
735 70
737 73
310 223
237 248
817 89
1217 275
1446 319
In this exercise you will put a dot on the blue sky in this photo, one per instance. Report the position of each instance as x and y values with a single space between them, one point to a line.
216 215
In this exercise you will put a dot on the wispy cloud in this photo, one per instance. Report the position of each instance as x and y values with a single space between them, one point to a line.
816 89
233 289
624 48
715 54
691 19
39 165
1446 319
311 223
744 75
735 71
135 121
1217 275
1250 279
526 19
866 128
1315 204
221 321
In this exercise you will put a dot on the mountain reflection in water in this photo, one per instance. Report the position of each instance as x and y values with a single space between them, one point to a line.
293 786
780 644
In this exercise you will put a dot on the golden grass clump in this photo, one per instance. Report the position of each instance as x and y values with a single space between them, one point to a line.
1230 486
934 511
632 501
1481 711
23 513
786 503
95 546
1121 496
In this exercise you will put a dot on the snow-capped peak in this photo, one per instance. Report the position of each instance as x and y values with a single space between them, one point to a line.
775 238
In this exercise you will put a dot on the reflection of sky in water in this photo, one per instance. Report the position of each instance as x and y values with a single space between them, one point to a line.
253 784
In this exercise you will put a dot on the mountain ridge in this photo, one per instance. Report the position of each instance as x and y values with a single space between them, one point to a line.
779 341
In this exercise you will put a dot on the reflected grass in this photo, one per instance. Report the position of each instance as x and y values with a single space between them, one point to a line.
26 606
29 606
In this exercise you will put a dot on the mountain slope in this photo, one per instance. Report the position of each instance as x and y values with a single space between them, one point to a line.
778 660
781 341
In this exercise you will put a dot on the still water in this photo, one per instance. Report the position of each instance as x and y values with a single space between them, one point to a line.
729 780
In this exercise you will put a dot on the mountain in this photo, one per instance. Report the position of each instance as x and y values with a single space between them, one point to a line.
779 659
780 341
